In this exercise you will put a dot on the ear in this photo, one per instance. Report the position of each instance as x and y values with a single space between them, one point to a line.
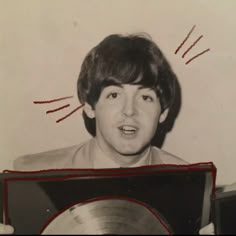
163 115
89 110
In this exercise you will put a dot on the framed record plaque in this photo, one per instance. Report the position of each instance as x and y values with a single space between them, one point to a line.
160 199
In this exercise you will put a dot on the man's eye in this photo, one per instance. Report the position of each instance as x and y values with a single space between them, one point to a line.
147 98
112 95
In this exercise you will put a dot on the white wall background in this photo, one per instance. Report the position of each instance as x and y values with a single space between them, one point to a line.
42 45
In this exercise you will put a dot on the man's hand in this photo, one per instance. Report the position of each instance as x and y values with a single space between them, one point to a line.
207 230
231 187
6 229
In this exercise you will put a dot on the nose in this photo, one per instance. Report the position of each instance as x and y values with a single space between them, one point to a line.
129 108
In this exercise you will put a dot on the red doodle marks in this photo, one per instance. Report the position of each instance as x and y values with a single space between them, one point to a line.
191 46
53 100
59 108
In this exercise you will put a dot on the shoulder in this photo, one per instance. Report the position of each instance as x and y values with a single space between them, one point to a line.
165 157
53 159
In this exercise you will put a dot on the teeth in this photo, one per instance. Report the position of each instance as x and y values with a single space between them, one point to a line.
128 129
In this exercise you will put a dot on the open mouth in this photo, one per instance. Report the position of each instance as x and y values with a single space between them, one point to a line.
128 129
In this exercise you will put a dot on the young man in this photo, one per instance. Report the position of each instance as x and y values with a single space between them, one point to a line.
127 88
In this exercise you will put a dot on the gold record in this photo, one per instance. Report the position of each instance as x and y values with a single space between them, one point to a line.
107 216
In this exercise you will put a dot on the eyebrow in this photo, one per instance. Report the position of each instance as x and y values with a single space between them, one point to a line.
143 87
122 85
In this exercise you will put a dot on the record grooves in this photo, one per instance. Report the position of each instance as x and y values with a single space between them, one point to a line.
107 216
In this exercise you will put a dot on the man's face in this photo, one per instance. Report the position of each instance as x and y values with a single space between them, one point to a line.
126 118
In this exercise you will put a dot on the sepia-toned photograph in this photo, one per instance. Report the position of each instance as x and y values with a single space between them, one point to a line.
117 117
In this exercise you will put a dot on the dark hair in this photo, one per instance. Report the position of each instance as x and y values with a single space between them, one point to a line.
118 59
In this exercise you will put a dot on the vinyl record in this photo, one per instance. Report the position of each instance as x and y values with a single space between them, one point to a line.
107 216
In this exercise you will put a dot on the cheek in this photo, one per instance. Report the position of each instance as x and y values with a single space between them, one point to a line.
105 115
154 120
151 117
107 110
152 124
152 112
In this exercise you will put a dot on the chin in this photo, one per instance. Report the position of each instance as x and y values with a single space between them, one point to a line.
131 151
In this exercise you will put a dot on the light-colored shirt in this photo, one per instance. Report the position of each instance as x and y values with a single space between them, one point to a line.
87 155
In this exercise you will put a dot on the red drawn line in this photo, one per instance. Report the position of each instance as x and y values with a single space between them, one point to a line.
107 197
110 173
185 39
199 54
213 171
54 100
191 46
57 109
45 178
76 109
192 166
